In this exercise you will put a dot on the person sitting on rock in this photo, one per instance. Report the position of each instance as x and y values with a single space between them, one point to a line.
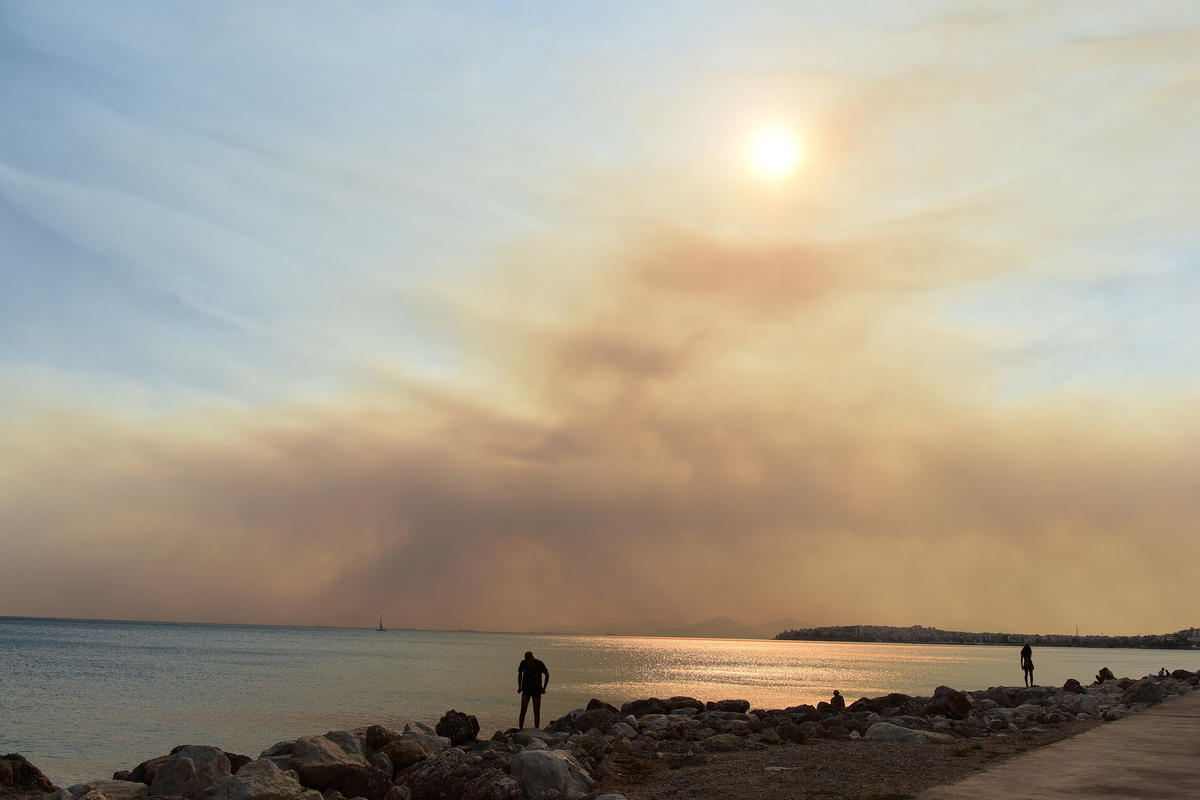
1104 674
1162 672
838 702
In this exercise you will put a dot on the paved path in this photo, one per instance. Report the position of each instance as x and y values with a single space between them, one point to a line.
1153 755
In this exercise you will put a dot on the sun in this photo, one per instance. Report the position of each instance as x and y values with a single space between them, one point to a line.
774 152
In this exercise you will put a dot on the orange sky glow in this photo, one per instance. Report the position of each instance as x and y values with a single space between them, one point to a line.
573 360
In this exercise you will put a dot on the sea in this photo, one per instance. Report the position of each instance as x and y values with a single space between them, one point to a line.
84 698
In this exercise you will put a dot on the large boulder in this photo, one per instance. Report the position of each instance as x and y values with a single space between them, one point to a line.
426 736
894 704
640 708
1030 694
526 736
996 694
593 704
321 762
600 718
459 728
887 732
189 770
790 732
369 782
738 706
803 713
1083 704
144 772
260 780
384 762
1073 686
378 736
724 743
405 752
544 770
949 703
456 775
1145 691
676 703
21 779
112 789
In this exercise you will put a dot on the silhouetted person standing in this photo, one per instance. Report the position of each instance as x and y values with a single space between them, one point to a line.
532 680
1027 663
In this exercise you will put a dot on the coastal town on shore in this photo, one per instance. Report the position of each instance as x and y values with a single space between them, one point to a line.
1186 639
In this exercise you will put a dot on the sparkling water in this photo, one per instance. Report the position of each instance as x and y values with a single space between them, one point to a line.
82 699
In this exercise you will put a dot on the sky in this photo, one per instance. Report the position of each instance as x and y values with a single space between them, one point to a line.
475 315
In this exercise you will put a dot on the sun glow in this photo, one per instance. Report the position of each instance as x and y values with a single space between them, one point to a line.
774 153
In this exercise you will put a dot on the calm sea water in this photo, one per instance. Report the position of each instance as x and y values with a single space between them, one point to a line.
82 699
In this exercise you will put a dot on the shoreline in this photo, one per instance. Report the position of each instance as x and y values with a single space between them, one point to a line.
650 748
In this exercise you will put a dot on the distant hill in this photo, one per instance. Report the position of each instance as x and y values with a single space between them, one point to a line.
715 628
644 628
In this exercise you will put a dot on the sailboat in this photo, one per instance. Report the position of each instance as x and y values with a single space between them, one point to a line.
381 628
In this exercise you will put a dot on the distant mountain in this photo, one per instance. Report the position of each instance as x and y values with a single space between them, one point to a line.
726 628
715 628
645 628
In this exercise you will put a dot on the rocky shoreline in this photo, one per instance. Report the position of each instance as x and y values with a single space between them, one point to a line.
605 753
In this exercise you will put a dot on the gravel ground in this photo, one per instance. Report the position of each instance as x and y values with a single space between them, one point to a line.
846 769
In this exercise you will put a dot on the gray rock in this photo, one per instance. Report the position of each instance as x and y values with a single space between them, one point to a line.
458 727
887 732
538 771
624 730
463 776
117 790
1084 704
368 782
949 702
680 703
435 743
723 743
526 735
382 761
278 749
1145 691
640 708
351 745
403 753
260 780
331 762
377 736
593 704
189 770
739 706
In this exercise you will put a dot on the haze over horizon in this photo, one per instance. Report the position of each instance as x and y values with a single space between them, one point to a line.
478 317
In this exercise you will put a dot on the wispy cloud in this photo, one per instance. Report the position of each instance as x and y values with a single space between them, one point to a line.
465 316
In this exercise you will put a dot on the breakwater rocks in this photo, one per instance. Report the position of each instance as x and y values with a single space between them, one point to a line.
590 752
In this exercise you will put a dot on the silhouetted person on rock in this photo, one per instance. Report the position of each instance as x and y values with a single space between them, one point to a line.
530 683
1027 663
838 702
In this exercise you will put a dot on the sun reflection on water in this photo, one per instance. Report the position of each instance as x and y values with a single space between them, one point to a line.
85 698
